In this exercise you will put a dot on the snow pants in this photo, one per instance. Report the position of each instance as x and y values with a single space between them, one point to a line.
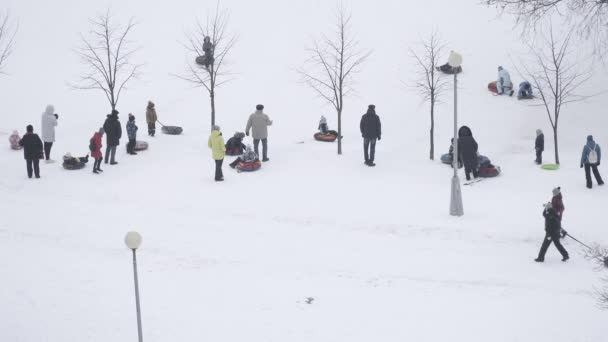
369 149
33 166
596 174
554 238
256 144
47 150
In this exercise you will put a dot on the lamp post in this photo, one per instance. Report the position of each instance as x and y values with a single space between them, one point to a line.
133 241
456 207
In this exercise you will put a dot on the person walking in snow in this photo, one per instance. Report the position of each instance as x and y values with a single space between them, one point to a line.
113 134
32 151
132 134
539 146
553 229
95 148
13 140
258 123
48 124
218 151
591 159
467 152
151 118
503 83
371 131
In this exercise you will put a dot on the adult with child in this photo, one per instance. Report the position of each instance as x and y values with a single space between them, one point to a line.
371 131
48 124
151 118
95 148
258 124
218 151
32 151
113 134
590 160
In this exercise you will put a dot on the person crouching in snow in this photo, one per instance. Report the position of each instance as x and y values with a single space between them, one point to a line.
503 83
539 146
132 134
95 148
323 125
13 139
525 91
235 145
218 149
553 228
249 156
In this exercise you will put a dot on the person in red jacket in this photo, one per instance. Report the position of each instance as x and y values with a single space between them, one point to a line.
557 203
95 147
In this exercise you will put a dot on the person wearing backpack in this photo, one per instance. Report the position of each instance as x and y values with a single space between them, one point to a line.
95 148
591 159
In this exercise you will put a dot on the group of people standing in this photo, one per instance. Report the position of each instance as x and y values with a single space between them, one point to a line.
36 148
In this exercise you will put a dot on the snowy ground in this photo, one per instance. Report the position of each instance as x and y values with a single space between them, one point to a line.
374 247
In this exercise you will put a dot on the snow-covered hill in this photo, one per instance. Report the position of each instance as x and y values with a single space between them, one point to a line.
374 247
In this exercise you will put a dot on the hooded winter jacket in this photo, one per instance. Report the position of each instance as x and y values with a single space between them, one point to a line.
14 140
552 223
467 148
558 204
258 123
591 145
113 130
539 143
96 153
131 129
216 144
504 80
49 122
151 116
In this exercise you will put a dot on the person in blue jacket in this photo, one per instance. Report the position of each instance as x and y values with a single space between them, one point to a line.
503 83
525 91
591 159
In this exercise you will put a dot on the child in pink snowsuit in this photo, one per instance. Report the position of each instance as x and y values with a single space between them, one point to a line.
13 139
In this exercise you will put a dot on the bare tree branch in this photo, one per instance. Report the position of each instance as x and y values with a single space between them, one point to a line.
8 31
106 53
332 65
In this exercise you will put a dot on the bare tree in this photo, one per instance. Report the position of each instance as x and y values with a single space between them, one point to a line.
587 17
8 30
599 255
429 83
211 75
556 77
332 64
107 53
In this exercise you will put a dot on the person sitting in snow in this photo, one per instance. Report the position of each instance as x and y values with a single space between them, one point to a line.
553 228
68 159
249 156
539 146
525 91
323 125
447 68
132 134
13 139
503 83
235 146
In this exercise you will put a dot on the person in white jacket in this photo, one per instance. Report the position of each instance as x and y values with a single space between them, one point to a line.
258 123
503 83
49 122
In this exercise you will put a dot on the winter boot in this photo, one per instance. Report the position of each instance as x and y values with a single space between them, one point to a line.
539 260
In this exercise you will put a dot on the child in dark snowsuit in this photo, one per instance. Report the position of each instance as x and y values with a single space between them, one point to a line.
553 229
132 133
539 146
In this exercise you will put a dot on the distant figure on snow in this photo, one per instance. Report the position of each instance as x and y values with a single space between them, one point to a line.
557 202
323 125
208 49
258 123
235 146
132 134
95 148
553 229
218 150
503 83
591 159
539 146
113 134
249 156
467 152
13 140
49 122
525 91
151 118
32 151
371 130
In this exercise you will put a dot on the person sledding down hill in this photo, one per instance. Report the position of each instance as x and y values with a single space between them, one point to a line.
325 134
234 145
249 161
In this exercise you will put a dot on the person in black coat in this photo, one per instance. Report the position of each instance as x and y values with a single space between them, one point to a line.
113 135
32 151
371 131
467 151
235 145
539 146
553 228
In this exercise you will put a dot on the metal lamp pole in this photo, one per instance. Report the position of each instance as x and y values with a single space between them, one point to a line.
133 241
456 206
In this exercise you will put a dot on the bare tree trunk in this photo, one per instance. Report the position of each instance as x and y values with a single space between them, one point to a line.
555 143
212 95
432 152
340 131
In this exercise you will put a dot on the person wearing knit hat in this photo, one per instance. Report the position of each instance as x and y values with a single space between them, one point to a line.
95 146
553 228
371 130
258 124
132 134
113 131
557 202
539 146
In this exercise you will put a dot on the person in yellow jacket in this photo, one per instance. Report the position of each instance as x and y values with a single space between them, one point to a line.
218 150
